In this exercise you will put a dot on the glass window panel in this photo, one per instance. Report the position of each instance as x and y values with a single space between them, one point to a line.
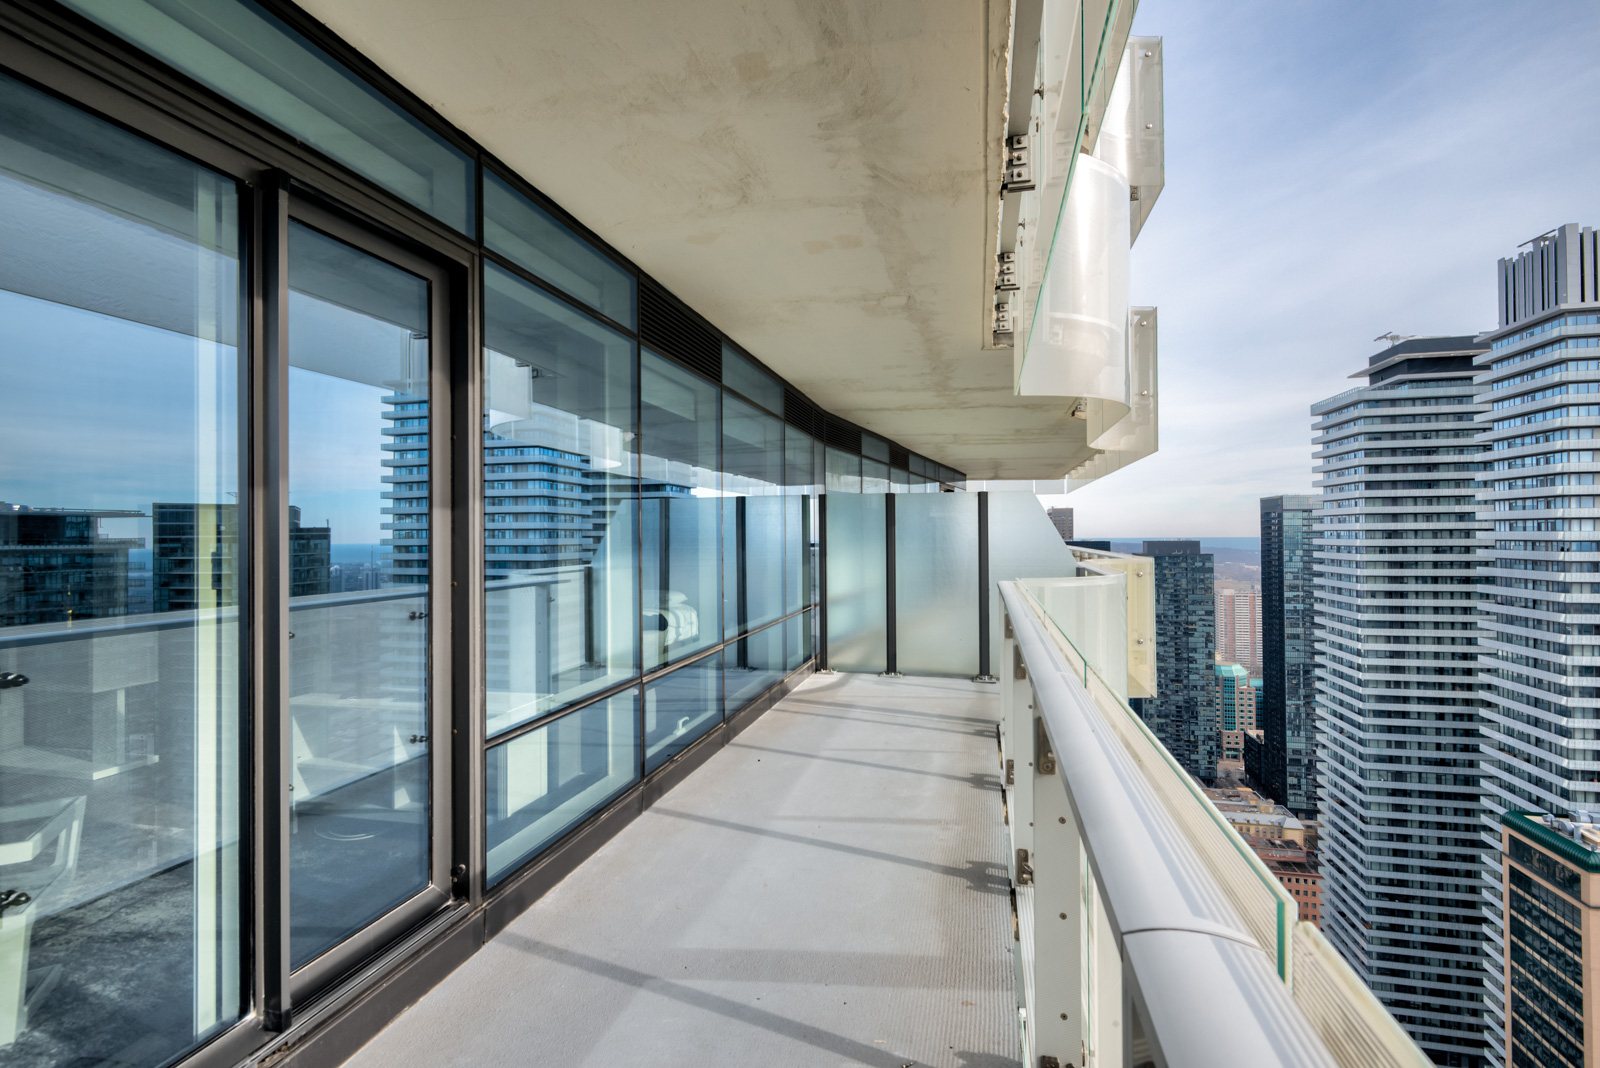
561 516
679 511
120 729
874 477
797 520
679 707
796 626
752 517
874 448
358 661
541 784
936 583
527 235
744 377
844 472
248 55
857 609
899 480
752 666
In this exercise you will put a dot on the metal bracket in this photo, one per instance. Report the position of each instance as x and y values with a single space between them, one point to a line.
1043 756
14 899
1011 773
1019 670
1024 869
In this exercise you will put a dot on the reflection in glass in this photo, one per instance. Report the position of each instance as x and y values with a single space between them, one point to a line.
119 570
874 476
745 378
843 472
680 707
525 234
799 495
681 595
752 517
358 659
542 783
753 665
798 639
250 56
559 510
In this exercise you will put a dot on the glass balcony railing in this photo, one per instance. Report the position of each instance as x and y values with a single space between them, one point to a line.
1160 896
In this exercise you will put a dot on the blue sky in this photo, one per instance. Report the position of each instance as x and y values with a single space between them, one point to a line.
1335 170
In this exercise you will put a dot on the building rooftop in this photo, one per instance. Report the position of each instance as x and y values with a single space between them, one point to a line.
1575 840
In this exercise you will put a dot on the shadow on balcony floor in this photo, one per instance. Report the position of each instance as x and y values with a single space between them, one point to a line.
830 889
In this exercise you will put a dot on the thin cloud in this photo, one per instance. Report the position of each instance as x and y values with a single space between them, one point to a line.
1335 171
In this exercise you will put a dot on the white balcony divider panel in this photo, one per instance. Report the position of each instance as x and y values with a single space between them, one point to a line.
1023 543
1147 148
1135 435
1092 610
936 584
1078 346
857 592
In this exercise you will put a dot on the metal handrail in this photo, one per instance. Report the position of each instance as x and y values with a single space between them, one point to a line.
1204 985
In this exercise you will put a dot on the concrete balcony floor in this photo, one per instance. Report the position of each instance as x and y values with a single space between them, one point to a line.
829 889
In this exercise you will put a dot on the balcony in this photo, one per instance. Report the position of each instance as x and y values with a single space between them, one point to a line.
929 871
642 683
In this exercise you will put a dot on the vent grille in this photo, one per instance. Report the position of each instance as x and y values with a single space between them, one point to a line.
841 435
667 326
899 457
801 413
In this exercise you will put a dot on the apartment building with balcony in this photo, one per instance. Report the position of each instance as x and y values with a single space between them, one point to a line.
1534 380
1238 619
1397 593
716 693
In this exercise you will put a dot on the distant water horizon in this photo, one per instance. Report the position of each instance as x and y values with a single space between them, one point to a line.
1220 543
355 553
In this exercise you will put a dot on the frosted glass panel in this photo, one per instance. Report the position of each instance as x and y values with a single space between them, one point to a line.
936 583
857 615
1023 543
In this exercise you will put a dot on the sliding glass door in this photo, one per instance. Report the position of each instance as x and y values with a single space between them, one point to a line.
359 561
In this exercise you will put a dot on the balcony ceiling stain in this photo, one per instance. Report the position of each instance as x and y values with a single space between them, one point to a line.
820 181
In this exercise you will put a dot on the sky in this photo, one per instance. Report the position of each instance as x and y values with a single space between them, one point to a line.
1336 170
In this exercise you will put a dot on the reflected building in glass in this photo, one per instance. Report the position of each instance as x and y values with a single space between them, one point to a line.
56 566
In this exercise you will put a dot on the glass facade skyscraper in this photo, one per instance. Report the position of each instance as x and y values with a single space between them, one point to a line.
1183 712
1287 716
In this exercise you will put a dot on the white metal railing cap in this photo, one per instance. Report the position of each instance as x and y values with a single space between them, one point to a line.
1152 877
1212 1003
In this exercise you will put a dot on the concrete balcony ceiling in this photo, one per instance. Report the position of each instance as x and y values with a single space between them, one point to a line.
821 181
